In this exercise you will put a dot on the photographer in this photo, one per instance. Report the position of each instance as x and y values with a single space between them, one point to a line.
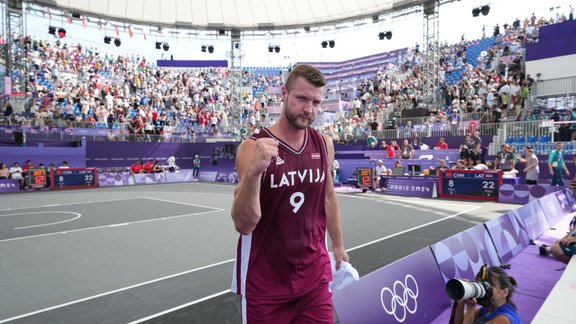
505 160
500 307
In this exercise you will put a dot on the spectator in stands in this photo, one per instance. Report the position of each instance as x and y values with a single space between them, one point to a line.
532 169
390 149
135 168
504 159
379 172
157 167
467 150
478 165
501 310
172 167
443 165
442 145
460 165
556 165
4 171
148 167
335 169
407 150
16 173
196 166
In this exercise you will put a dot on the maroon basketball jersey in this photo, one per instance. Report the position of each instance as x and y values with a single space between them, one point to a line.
285 255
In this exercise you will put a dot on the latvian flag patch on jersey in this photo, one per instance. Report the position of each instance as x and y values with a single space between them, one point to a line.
315 156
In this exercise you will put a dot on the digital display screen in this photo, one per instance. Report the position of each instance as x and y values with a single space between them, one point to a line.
364 177
471 184
37 178
74 178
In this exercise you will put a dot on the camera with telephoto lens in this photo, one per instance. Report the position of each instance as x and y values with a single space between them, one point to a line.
481 289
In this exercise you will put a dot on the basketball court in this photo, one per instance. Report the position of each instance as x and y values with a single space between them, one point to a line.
164 253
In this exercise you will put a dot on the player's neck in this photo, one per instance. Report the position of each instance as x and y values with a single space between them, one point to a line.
289 134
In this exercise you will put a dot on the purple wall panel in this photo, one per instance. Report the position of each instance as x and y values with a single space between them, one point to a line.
192 63
555 40
410 290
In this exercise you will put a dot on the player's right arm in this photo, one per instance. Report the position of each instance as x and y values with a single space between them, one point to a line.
252 159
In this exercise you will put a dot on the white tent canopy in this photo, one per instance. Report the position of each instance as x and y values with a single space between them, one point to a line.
230 14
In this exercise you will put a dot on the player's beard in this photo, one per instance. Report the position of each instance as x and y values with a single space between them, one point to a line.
296 120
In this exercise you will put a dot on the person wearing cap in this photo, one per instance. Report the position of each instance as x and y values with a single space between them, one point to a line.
379 172
196 166
532 170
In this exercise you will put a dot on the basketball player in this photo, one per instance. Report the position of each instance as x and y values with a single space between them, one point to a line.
283 205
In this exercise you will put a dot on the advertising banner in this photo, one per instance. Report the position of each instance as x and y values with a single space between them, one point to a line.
462 255
412 187
508 235
9 185
533 219
410 290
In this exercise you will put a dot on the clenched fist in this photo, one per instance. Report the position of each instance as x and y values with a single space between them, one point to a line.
266 150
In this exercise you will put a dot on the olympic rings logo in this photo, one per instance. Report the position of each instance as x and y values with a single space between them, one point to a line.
402 299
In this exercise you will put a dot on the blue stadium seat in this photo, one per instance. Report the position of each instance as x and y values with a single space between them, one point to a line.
544 139
509 140
532 139
520 139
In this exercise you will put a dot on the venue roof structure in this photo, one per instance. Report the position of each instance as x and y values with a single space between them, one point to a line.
240 15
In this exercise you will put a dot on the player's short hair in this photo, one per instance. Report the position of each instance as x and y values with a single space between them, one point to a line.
309 73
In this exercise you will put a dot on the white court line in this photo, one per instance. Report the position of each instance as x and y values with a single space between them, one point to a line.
70 204
78 215
182 203
179 307
114 291
108 226
202 268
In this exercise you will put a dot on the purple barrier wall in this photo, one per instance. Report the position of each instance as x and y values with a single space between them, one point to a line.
9 185
75 156
523 194
508 235
532 218
218 157
416 187
552 209
410 290
555 40
462 255
111 179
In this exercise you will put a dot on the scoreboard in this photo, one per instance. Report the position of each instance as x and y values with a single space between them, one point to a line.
470 184
37 178
74 178
364 178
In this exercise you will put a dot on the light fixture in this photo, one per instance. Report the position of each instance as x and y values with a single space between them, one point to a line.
203 48
117 42
210 49
277 49
485 10
107 40
388 35
61 32
158 45
381 35
324 44
165 47
475 12
52 30
331 43
270 49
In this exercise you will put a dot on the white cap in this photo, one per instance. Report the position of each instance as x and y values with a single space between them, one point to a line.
380 161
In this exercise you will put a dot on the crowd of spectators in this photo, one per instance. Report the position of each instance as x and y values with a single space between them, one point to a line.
73 85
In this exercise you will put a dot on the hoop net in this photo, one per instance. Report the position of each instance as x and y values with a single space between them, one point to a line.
18 101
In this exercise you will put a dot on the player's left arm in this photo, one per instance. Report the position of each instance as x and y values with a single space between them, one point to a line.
333 212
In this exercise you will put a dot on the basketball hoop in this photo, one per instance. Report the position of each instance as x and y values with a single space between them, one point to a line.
18 101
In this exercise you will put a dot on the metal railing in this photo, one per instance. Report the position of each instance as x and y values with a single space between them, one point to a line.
554 87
